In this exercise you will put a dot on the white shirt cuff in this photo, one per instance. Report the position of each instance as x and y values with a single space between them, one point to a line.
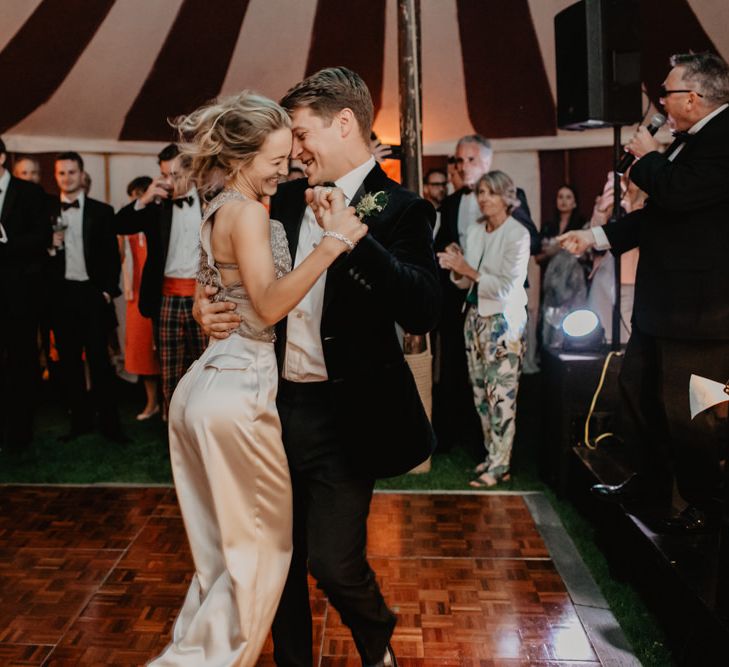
601 239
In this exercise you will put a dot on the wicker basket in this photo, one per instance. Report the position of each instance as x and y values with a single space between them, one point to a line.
421 366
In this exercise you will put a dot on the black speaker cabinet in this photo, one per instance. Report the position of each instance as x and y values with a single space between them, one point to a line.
569 383
598 64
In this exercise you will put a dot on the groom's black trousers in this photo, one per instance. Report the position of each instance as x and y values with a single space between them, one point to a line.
331 505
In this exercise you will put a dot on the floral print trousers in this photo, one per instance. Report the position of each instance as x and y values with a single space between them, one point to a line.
495 352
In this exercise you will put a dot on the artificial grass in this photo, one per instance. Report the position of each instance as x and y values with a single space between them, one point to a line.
145 460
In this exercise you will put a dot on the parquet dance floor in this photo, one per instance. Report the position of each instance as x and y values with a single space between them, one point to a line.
95 576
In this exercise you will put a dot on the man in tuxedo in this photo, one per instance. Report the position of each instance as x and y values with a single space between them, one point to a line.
681 306
84 278
25 235
169 214
435 190
339 348
454 416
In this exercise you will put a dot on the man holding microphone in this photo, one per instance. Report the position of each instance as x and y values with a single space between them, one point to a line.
681 310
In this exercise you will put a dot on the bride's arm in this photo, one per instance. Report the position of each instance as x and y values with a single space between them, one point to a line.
273 299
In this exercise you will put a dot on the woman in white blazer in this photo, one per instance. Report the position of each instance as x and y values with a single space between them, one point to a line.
494 270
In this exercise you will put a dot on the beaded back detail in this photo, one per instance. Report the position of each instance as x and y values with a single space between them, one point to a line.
209 273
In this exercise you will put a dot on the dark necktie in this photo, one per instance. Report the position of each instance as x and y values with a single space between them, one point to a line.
181 201
65 205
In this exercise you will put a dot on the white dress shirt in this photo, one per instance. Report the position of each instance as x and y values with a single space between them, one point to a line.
468 215
184 248
4 183
304 357
601 239
73 239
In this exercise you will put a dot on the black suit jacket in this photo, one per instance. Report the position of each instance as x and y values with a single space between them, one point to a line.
101 250
682 283
27 225
389 277
155 221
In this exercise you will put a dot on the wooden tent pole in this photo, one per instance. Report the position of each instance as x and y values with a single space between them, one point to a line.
410 85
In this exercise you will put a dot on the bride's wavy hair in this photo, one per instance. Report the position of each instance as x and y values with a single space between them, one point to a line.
223 136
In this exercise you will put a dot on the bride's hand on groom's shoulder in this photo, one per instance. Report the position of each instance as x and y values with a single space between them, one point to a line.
216 318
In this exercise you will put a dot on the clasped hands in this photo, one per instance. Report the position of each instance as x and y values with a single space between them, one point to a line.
218 318
336 219
452 258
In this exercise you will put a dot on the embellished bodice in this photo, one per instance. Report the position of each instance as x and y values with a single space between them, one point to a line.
251 325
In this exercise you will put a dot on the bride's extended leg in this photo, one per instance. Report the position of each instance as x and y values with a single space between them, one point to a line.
240 520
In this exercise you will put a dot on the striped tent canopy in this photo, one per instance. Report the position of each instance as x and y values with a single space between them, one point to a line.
104 75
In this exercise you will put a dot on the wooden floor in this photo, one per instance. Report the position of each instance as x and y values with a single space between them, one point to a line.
95 576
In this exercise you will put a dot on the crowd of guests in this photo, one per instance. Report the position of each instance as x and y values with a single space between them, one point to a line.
483 235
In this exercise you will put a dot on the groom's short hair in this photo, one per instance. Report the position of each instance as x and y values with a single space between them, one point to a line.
330 90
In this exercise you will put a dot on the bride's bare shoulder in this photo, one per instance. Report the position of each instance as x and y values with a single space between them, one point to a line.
242 210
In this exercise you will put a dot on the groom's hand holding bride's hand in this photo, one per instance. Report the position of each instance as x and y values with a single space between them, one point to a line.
217 319
333 216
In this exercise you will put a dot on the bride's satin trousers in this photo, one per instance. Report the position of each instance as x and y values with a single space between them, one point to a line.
234 490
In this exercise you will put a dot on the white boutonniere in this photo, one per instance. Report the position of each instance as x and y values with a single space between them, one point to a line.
370 204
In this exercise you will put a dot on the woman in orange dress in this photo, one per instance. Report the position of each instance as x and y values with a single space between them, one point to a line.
140 353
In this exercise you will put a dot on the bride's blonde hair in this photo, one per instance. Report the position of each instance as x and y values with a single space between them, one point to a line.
225 135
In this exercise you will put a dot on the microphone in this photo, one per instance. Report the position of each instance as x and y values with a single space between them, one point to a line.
657 121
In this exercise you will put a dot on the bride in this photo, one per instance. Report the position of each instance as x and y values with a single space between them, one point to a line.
228 461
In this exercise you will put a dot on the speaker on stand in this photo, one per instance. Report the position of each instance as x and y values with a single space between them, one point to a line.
597 45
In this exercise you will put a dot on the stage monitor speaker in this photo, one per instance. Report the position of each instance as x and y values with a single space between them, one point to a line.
598 64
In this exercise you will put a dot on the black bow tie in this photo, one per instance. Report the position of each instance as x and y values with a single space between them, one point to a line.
682 136
65 205
181 201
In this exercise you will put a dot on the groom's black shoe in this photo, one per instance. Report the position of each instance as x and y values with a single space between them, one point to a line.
632 490
389 660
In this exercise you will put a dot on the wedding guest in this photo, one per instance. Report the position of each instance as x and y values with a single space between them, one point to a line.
454 419
86 182
435 189
27 168
493 270
140 354
169 215
25 234
84 273
564 276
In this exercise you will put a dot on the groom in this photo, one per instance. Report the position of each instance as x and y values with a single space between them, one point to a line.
349 407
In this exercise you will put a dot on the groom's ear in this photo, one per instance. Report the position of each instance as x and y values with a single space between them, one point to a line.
347 122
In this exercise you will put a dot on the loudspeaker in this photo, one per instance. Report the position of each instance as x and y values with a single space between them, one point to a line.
598 64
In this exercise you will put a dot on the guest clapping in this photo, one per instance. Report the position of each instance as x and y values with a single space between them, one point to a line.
493 270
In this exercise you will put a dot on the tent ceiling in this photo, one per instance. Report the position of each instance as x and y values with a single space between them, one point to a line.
114 70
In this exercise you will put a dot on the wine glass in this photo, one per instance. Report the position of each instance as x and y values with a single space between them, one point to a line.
60 226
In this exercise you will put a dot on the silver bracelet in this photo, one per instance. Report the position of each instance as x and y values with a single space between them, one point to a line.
341 237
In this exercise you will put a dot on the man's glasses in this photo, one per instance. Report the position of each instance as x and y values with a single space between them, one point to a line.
440 184
662 92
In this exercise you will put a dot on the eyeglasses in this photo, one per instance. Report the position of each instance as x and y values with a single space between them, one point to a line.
662 92
440 184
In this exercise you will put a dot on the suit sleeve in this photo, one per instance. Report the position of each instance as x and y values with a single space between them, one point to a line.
130 221
36 233
685 185
624 234
522 215
404 276
110 250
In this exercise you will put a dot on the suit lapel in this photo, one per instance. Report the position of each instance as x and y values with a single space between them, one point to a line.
165 228
86 222
9 203
375 181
